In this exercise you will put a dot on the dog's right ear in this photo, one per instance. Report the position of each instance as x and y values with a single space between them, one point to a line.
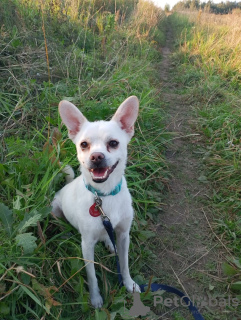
71 117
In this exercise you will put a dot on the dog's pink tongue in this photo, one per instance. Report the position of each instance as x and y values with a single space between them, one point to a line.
99 172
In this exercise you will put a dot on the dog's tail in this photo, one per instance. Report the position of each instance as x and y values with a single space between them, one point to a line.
69 173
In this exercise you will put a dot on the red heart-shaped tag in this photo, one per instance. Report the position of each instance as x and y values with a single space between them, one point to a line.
94 212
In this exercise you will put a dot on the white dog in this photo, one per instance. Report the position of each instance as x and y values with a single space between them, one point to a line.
102 153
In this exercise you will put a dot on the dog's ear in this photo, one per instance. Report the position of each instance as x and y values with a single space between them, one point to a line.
126 115
72 117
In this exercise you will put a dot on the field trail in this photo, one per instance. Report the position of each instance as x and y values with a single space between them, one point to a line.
189 256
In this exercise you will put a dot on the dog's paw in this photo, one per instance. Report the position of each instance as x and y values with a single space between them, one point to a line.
96 301
131 286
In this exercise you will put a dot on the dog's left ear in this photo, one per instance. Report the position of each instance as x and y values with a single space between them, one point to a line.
126 115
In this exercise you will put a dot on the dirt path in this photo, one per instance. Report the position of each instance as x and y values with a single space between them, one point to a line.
188 257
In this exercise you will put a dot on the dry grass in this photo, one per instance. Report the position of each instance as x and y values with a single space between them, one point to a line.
217 39
147 17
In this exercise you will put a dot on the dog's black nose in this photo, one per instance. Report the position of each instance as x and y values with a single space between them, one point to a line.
97 157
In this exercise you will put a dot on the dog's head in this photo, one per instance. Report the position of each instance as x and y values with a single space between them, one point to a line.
101 145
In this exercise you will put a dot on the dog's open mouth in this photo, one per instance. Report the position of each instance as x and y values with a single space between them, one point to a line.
102 174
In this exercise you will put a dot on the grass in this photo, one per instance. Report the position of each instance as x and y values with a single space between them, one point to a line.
98 54
208 59
94 55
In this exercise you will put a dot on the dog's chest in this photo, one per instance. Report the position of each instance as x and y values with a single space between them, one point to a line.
77 210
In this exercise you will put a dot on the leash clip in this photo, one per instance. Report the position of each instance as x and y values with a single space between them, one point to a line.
98 204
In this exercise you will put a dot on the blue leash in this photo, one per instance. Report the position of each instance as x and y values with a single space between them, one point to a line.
154 286
108 227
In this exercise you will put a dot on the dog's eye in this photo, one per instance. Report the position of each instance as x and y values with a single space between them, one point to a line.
84 145
113 143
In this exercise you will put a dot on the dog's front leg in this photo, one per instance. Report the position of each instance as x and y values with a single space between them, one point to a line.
88 246
123 240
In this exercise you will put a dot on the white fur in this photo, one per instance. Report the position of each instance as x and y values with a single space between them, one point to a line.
74 200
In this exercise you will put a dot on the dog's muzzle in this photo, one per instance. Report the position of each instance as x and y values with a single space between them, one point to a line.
99 170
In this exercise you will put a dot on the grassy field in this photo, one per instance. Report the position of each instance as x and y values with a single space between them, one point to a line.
95 55
208 58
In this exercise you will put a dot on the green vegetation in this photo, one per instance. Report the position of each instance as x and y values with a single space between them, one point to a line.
209 6
94 54
209 66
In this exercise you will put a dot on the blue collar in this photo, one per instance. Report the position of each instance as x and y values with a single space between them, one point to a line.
116 190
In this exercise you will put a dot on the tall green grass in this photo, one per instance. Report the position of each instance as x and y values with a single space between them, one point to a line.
209 60
99 53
